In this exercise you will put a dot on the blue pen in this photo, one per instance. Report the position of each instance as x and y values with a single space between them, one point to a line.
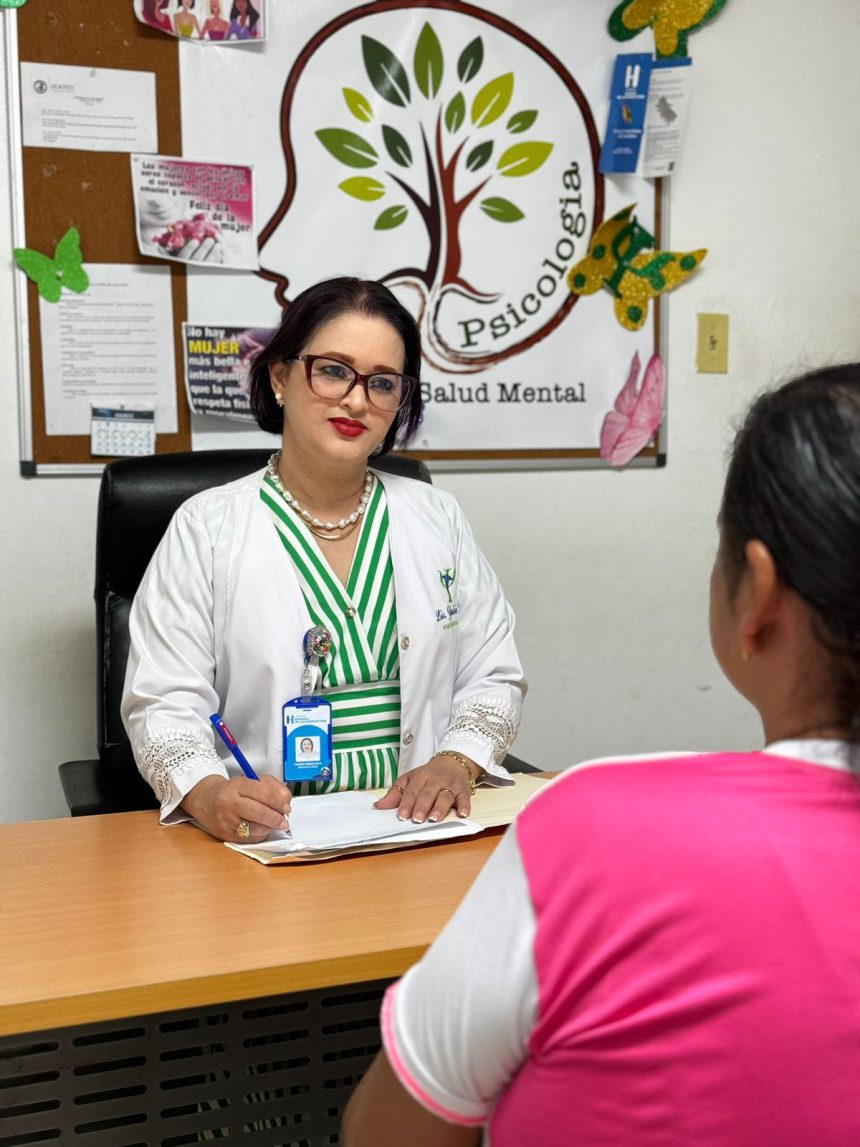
233 745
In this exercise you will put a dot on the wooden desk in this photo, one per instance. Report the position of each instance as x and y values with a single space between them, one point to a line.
107 919
111 916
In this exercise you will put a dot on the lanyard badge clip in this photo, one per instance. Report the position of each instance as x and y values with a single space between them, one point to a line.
315 644
307 719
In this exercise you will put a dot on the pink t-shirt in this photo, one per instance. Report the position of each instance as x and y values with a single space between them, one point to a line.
683 935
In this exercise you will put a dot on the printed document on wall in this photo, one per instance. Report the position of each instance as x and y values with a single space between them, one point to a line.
110 347
88 109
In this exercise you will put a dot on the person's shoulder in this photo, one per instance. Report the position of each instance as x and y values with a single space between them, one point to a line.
630 784
407 483
628 776
643 763
401 488
213 505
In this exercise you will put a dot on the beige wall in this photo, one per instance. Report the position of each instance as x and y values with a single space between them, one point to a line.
608 573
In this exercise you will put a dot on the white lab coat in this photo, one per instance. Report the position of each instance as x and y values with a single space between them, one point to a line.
218 621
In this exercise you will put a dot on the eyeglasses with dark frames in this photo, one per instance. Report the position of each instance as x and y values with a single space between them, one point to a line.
330 378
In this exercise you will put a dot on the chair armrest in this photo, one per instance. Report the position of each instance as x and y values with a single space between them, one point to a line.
90 788
517 765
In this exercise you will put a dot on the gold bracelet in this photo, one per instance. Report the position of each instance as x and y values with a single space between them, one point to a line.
461 760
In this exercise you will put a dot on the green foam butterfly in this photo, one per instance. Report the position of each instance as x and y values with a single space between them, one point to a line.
64 270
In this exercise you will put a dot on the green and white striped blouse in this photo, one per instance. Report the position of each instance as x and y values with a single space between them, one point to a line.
360 675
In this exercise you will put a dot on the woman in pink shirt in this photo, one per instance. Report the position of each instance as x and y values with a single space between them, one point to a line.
665 950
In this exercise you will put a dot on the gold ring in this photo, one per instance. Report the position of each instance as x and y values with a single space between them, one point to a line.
400 789
451 791
243 830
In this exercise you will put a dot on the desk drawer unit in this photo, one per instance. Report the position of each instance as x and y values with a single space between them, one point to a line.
266 1072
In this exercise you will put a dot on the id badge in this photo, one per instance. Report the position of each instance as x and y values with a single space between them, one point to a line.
307 739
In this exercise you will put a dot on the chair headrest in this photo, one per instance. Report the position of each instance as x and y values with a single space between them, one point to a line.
139 496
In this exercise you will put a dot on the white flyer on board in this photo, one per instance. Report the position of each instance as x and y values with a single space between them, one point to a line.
110 347
88 109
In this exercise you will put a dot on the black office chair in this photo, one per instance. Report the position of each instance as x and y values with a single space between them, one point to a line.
138 498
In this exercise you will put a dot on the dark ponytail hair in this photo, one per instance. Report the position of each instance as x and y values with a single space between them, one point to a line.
794 484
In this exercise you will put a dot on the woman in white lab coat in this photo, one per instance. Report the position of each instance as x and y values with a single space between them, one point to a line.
417 659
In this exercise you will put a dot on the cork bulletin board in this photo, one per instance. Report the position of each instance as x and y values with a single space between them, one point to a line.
90 190
499 326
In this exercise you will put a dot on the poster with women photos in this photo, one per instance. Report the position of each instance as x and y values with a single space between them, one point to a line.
206 21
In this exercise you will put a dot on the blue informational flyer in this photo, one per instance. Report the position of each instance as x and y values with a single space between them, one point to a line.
647 112
628 104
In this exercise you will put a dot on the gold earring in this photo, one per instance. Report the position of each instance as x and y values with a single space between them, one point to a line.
745 655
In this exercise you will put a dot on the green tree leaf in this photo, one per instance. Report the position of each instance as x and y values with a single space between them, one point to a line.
492 100
358 104
502 210
397 147
347 147
428 65
391 217
479 155
386 73
524 158
522 121
470 60
363 187
455 113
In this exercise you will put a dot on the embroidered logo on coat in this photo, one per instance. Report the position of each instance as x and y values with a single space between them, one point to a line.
447 577
448 615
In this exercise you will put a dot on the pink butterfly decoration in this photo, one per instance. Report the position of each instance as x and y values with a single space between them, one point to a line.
637 414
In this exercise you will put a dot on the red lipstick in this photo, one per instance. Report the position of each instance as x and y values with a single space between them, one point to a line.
348 427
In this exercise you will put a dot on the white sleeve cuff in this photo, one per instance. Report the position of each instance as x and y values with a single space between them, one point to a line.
173 760
483 728
494 774
456 1053
474 1118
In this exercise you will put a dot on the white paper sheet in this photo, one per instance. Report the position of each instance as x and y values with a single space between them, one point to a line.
111 346
495 806
668 101
88 109
344 820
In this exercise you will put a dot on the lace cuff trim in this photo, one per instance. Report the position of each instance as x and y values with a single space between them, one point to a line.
491 723
169 753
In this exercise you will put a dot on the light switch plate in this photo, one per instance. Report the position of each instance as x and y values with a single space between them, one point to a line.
712 344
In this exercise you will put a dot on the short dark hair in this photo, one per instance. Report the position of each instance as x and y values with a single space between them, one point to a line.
794 483
320 304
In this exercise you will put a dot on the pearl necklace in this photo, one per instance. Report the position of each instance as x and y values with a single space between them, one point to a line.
322 529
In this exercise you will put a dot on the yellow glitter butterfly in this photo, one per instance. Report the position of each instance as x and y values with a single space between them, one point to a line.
620 259
672 21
